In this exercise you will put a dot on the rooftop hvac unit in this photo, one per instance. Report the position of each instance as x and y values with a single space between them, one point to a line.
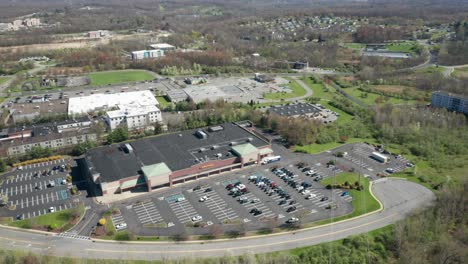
214 147
128 148
201 150
215 128
232 143
249 139
202 135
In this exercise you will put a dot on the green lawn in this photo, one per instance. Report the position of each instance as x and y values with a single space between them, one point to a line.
370 98
431 69
3 80
113 77
318 148
163 102
460 72
54 221
326 93
402 47
356 46
363 202
296 88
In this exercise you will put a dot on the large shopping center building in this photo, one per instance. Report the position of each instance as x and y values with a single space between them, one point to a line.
170 159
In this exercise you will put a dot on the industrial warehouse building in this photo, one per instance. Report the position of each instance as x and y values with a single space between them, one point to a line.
175 158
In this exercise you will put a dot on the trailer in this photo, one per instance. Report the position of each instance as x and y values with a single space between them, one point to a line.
268 160
379 157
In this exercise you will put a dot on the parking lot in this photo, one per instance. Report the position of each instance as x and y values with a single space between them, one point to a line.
37 189
360 154
215 201
280 192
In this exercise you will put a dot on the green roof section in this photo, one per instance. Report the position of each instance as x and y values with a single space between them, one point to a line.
244 149
155 169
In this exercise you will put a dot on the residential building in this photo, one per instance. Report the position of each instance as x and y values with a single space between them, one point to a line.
19 140
38 107
175 158
450 101
163 46
134 118
147 54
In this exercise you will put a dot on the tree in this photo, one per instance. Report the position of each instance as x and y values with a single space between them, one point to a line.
102 222
39 152
3 166
82 148
118 135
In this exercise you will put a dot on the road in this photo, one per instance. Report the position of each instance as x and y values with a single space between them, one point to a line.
398 197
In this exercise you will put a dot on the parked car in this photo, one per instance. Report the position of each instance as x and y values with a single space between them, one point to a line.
180 199
51 209
324 199
197 218
292 220
390 170
311 196
196 188
121 226
203 198
208 189
282 202
291 209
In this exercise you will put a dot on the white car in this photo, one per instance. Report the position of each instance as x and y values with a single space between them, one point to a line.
180 199
241 187
255 200
203 198
121 226
51 209
311 196
253 177
197 218
292 220
389 170
260 183
305 192
300 188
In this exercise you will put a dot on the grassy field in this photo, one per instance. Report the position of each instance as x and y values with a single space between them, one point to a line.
297 91
326 93
431 69
372 98
3 80
356 46
457 73
113 77
57 220
402 47
318 148
163 102
363 202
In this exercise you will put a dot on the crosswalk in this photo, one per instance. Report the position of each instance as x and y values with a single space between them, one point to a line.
73 234
183 210
217 205
147 213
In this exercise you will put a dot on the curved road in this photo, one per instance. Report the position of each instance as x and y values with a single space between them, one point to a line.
399 198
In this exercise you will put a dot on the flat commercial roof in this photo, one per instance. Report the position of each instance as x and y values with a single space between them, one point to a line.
178 151
295 109
85 104
200 93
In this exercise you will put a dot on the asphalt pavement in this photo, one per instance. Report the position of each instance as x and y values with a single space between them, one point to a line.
399 198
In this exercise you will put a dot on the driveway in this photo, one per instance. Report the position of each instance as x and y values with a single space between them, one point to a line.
399 198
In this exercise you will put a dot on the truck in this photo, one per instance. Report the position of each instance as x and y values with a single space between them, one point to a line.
272 159
379 157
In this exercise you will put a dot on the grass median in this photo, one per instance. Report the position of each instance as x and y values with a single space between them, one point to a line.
58 221
363 202
296 91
